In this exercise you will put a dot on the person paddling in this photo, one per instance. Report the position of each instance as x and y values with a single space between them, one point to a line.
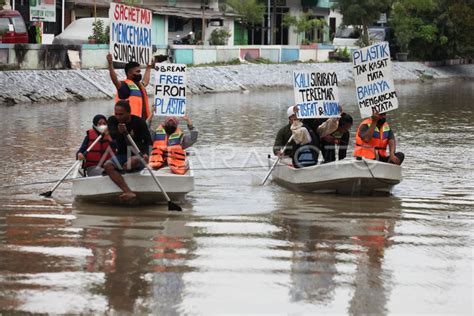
302 147
120 125
101 152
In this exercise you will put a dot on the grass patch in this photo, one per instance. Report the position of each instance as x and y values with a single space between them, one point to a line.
6 67
228 63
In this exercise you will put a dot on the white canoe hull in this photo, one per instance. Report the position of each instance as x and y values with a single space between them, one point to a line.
103 189
348 176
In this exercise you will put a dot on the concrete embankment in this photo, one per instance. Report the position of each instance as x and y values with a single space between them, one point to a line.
59 85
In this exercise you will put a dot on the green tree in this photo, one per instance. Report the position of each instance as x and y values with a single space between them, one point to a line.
219 36
132 2
100 34
457 25
306 22
251 12
434 29
362 13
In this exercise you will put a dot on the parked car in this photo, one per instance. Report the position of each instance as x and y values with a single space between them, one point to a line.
350 37
12 27
78 31
346 37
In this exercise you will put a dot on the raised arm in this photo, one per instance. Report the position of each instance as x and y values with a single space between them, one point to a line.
113 75
367 135
190 139
146 77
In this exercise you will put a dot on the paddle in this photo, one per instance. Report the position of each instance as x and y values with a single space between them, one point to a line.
277 161
171 206
50 192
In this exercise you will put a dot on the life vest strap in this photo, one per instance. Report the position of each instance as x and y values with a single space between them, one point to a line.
366 146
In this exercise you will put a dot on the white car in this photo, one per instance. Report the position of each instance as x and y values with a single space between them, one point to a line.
78 31
349 36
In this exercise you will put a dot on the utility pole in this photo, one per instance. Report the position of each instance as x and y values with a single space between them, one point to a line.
269 22
63 8
274 22
203 27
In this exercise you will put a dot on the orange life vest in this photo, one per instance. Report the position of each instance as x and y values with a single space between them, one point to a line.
96 155
167 150
138 99
377 145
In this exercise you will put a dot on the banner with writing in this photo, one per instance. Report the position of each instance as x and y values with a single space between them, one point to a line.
372 69
43 10
170 90
316 94
130 34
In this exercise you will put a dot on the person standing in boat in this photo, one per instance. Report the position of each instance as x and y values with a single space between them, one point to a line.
335 133
302 148
170 143
101 152
133 88
121 124
372 138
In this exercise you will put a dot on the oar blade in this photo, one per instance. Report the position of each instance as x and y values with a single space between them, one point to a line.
46 194
174 207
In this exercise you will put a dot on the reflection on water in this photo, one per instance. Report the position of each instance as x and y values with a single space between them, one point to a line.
239 247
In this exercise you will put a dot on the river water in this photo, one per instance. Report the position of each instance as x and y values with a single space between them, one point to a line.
239 247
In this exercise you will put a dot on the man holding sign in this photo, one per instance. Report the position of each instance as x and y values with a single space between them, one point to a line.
372 138
130 43
170 141
132 88
372 70
375 95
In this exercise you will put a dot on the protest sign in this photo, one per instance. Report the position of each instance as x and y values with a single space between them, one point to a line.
43 10
316 94
130 34
373 79
170 90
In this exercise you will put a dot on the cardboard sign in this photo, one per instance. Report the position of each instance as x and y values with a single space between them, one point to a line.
43 10
130 34
373 79
170 90
316 94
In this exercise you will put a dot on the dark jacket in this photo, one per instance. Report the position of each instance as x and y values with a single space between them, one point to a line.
328 149
137 128
281 140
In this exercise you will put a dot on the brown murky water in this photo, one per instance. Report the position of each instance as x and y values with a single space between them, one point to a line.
238 247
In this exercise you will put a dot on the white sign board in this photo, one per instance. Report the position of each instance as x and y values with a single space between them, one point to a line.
373 79
43 10
316 94
170 90
130 34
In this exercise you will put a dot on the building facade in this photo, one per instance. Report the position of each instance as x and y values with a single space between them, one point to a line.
193 21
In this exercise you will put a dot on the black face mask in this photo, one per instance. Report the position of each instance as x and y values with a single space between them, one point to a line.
170 129
381 121
137 78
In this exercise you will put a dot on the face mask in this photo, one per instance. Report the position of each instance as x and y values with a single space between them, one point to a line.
101 128
137 78
381 121
170 129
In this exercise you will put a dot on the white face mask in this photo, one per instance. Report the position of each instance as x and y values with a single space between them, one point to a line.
101 128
